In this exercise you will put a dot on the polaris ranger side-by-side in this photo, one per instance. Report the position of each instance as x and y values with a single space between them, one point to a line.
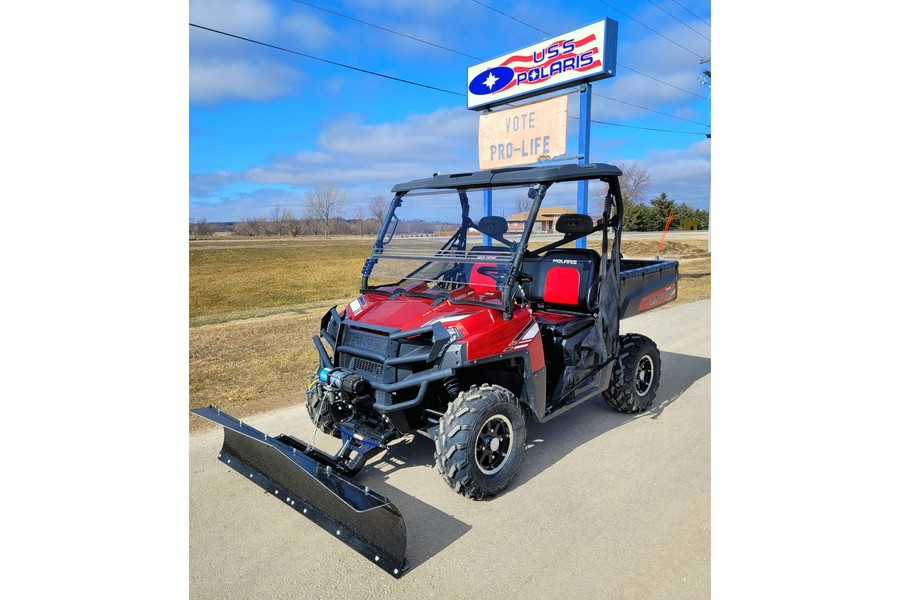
459 337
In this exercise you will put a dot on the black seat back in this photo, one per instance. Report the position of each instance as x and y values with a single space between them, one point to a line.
564 279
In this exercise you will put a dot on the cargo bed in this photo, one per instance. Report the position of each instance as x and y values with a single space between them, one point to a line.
646 284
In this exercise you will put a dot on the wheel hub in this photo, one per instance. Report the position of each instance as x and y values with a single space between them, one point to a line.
494 442
643 379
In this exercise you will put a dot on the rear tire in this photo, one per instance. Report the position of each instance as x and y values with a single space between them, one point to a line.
481 441
635 375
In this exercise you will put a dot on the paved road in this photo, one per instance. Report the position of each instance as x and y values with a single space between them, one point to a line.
605 505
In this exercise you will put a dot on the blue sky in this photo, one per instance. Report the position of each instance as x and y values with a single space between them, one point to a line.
267 124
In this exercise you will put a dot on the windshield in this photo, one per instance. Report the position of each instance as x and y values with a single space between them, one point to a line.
444 245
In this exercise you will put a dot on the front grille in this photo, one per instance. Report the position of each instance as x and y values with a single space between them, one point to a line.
370 366
366 341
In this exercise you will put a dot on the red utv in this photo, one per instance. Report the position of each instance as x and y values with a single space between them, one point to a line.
460 337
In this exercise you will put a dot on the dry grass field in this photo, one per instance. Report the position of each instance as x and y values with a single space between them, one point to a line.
255 305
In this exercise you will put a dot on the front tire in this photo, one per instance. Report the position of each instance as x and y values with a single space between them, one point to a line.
481 441
320 413
635 376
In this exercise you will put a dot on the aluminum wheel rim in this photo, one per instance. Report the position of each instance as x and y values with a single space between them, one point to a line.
493 444
643 377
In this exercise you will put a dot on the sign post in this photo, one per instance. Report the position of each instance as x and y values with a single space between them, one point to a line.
584 153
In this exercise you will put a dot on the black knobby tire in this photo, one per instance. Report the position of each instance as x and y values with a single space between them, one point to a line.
635 376
320 413
481 441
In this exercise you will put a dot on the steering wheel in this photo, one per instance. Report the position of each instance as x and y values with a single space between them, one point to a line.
496 273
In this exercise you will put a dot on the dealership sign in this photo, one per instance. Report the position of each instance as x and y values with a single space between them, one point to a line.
586 54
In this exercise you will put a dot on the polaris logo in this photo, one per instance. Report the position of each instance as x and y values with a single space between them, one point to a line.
565 261
667 294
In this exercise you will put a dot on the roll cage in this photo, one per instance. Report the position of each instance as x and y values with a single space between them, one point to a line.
508 256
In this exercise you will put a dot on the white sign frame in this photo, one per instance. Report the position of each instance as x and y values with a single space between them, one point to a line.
586 54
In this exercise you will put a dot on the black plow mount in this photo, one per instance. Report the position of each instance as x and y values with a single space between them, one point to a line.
317 486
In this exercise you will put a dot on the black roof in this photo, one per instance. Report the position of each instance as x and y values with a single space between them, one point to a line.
513 176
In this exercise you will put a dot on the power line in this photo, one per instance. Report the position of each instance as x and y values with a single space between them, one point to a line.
422 85
476 57
651 29
330 62
510 17
663 82
386 29
679 20
649 109
688 10
512 104
646 128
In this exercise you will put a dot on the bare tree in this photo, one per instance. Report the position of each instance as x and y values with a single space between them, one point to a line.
522 203
359 214
278 226
377 207
323 205
251 226
201 227
291 223
634 182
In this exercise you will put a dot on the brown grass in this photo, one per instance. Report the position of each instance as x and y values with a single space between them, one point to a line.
250 278
694 264
254 365
255 305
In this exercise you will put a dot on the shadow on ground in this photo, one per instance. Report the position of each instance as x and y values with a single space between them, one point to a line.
550 442
432 530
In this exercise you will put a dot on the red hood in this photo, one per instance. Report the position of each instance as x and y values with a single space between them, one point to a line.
409 312
482 329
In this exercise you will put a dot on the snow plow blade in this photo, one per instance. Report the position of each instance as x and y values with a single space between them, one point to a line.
308 481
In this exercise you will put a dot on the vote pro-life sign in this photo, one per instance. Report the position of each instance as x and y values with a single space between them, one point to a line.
529 133
524 134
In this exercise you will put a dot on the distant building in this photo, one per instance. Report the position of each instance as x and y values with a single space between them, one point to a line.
690 224
544 223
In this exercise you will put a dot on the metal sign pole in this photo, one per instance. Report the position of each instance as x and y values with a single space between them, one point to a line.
488 210
584 151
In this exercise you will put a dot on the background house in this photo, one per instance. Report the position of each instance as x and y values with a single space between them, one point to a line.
545 222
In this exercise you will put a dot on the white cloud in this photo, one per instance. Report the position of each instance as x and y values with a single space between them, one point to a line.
684 175
412 11
223 67
249 18
258 203
363 159
213 80
350 153
651 69
440 136
308 31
